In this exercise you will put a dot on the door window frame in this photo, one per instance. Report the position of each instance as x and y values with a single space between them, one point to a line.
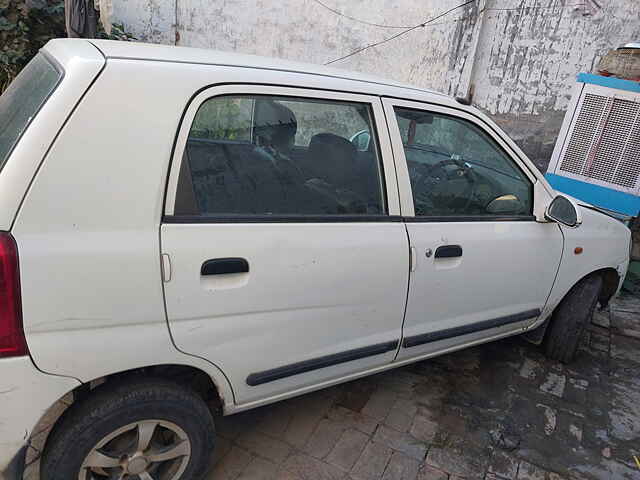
404 182
386 168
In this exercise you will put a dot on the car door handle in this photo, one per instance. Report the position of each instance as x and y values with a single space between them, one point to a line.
448 251
223 266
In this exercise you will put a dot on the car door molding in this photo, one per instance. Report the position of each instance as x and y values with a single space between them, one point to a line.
303 218
297 368
429 337
470 218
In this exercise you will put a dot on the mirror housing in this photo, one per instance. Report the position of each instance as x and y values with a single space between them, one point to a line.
505 205
565 211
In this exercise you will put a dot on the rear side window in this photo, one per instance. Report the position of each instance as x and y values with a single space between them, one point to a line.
268 155
20 103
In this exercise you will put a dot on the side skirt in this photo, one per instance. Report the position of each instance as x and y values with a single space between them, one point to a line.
321 362
290 370
472 328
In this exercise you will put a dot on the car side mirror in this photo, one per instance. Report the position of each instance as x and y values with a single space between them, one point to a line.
565 211
505 205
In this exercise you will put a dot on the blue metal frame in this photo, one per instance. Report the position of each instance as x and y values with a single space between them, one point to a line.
597 195
610 82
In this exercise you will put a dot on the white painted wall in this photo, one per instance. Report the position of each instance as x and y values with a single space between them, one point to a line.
522 61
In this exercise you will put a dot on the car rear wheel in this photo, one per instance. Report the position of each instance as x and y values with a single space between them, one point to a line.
570 319
132 430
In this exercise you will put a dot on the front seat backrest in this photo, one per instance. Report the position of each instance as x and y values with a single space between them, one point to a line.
332 159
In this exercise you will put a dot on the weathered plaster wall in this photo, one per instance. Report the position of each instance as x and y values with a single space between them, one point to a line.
520 55
527 61
149 20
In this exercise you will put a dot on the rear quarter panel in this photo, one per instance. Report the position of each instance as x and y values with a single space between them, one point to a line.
88 230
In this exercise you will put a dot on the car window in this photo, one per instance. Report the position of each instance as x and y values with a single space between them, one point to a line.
21 101
315 117
268 155
456 169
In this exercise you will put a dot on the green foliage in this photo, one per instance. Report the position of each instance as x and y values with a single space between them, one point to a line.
223 119
118 32
25 26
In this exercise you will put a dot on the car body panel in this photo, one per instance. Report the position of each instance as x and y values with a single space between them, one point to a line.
605 244
312 290
498 275
487 282
25 395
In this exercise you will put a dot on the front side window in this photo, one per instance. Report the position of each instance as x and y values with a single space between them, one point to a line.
21 101
456 169
269 155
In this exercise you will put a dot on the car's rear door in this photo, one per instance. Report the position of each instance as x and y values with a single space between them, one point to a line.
483 267
286 263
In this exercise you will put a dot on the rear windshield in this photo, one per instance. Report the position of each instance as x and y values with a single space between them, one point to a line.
20 103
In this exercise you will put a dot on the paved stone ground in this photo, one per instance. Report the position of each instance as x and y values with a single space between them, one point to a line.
498 411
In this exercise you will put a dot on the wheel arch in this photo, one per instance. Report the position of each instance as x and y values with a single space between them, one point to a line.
188 375
610 283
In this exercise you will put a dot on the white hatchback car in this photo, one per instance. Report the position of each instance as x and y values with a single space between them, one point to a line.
185 232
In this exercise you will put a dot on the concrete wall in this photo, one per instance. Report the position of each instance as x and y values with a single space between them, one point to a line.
519 56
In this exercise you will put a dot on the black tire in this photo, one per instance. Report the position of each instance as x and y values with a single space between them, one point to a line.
570 319
116 404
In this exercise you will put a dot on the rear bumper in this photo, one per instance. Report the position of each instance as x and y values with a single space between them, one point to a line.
25 396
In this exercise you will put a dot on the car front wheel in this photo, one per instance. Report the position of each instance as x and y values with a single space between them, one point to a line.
570 319
128 430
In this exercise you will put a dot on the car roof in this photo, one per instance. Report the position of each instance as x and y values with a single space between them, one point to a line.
170 53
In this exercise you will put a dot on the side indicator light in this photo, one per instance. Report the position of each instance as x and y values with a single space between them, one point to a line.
578 250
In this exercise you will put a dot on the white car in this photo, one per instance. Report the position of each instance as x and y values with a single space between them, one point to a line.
186 232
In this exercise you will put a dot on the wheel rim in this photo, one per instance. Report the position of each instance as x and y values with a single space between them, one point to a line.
145 450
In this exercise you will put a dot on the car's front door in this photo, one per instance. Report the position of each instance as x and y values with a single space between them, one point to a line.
288 260
482 266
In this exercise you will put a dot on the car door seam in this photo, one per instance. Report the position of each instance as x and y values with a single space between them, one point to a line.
408 289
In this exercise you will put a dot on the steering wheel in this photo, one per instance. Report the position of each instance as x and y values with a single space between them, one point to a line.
427 177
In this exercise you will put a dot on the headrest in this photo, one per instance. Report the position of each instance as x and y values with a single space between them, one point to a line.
333 145
274 124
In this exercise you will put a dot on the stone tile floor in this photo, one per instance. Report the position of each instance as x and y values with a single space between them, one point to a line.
498 411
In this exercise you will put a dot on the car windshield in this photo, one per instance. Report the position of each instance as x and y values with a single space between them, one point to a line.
20 103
